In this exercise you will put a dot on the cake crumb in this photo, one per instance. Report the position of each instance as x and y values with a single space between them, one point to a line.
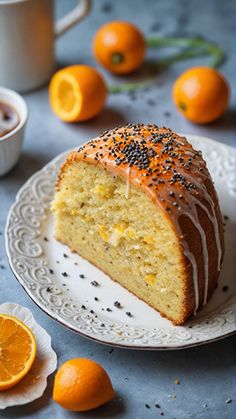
177 381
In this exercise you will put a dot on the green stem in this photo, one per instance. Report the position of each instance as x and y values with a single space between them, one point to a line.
127 87
181 56
217 54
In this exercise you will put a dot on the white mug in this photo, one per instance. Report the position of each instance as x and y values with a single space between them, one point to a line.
27 35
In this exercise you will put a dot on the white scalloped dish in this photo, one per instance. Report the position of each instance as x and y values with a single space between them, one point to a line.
33 385
62 283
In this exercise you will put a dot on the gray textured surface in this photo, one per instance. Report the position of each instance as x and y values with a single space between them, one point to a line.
207 373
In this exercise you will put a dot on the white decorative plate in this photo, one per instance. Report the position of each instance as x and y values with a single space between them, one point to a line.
39 262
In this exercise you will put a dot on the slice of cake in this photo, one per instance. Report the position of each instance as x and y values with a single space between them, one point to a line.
139 203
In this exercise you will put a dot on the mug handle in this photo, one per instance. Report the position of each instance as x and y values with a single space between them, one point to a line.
73 17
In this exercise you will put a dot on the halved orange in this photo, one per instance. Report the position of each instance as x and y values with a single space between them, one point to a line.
77 93
17 351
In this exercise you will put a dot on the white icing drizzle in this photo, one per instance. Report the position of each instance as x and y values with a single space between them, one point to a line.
214 222
199 184
212 218
196 223
192 259
127 188
190 256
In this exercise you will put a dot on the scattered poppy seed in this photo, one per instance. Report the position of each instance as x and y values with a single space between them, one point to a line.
91 311
111 350
155 27
128 314
64 274
107 8
147 406
83 306
65 255
96 298
45 239
117 304
51 271
228 401
167 114
48 289
157 406
225 288
108 309
151 102
102 325
82 276
95 283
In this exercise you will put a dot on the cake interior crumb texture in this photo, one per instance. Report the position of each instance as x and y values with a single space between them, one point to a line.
129 238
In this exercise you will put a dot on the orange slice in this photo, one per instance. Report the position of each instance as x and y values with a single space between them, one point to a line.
77 93
17 351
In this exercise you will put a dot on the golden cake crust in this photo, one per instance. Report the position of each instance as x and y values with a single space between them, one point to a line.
174 175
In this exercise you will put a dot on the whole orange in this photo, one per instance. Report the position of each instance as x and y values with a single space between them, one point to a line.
81 384
201 94
120 47
77 93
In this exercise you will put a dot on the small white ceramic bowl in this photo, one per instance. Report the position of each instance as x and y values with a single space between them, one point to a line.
10 144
